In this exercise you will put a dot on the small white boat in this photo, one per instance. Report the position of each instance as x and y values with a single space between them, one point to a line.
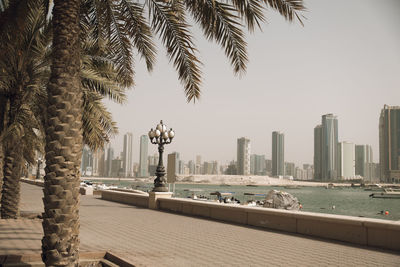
388 193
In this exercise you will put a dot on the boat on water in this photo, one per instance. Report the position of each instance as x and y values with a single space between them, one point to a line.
252 185
388 193
374 188
330 186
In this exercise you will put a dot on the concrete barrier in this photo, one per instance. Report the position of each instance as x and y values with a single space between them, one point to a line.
134 199
356 230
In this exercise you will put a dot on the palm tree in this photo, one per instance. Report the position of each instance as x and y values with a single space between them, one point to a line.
21 79
220 22
98 77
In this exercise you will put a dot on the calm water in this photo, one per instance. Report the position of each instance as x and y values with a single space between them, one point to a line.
347 201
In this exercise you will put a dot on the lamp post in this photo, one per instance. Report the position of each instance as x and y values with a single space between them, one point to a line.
160 136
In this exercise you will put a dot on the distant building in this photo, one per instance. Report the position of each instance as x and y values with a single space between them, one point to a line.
110 157
346 162
257 164
389 144
99 163
243 156
268 167
325 149
116 168
87 161
192 167
144 149
278 154
318 152
231 169
364 162
127 155
290 169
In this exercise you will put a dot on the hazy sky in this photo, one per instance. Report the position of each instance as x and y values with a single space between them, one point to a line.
345 60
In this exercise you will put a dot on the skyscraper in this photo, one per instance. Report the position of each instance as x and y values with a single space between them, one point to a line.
326 135
278 153
144 149
127 155
318 152
243 156
346 161
364 162
98 162
389 144
110 157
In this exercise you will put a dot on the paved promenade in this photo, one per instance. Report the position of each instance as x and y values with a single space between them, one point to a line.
154 238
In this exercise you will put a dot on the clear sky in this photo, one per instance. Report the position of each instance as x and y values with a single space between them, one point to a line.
345 61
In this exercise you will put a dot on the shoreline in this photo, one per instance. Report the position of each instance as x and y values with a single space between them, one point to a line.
230 180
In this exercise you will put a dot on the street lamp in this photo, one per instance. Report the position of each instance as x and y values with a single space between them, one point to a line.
161 137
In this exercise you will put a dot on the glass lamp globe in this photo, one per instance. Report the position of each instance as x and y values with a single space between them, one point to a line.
158 133
151 133
159 127
165 135
171 134
163 128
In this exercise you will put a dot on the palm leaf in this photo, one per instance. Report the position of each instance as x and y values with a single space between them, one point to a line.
169 21
220 22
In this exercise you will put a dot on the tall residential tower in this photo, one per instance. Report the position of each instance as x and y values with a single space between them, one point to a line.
278 153
389 144
144 149
325 149
127 155
243 156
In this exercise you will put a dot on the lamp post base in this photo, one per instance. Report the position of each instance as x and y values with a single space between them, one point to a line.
160 188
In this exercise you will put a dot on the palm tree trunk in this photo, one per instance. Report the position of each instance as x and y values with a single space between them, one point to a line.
11 187
3 111
60 243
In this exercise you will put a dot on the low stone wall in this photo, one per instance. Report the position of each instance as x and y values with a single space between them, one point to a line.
362 231
139 200
34 182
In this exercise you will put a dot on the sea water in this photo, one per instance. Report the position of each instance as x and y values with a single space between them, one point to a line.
341 200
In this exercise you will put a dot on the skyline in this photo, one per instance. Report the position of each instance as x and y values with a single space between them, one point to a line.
345 66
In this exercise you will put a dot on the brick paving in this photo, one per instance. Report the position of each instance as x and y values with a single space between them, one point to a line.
154 238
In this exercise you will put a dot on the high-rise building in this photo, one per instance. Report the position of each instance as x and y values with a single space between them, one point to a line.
364 162
243 156
257 164
389 144
87 161
346 161
144 150
318 152
325 149
110 157
278 153
192 167
127 155
329 147
98 162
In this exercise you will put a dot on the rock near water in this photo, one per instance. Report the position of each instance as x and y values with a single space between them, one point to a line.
281 200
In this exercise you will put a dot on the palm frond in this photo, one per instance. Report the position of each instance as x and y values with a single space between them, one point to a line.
251 11
169 21
287 8
220 22
138 29
98 126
